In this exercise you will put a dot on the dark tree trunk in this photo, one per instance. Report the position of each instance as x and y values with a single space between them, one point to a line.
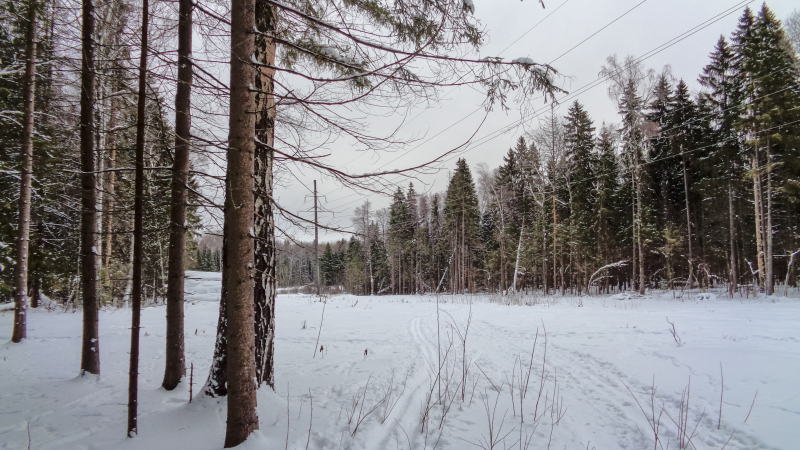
138 211
176 359
90 353
217 383
36 291
25 176
264 225
242 415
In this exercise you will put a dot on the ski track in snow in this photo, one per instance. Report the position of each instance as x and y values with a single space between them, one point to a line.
596 350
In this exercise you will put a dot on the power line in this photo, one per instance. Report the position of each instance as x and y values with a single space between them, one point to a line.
598 31
586 87
454 88
479 108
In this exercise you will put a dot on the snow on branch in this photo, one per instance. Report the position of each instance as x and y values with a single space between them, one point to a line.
607 266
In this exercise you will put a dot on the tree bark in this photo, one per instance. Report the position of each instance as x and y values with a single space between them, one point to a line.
769 277
555 230
264 224
639 224
138 235
217 383
175 357
633 229
20 331
242 415
90 353
688 218
544 260
519 253
732 225
110 184
759 218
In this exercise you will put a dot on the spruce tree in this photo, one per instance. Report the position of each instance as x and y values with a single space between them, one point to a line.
579 140
462 219
606 189
722 97
400 233
769 73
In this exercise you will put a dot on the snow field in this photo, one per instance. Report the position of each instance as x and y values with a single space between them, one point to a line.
594 354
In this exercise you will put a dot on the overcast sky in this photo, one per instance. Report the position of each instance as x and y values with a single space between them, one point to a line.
523 29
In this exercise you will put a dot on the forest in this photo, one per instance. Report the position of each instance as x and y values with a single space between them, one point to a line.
686 190
140 139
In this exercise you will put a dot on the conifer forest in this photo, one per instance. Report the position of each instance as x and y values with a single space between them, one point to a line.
151 155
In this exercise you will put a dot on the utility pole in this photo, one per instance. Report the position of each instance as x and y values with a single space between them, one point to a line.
316 238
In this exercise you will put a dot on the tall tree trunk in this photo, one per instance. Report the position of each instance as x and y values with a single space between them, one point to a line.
36 291
734 284
90 352
242 415
266 16
217 383
633 230
175 357
688 218
639 224
100 166
100 148
110 185
544 260
126 296
519 253
463 252
20 331
768 260
759 215
503 274
138 234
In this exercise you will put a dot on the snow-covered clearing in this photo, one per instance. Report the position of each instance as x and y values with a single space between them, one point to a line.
593 352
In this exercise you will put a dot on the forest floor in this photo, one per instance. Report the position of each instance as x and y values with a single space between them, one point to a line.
377 375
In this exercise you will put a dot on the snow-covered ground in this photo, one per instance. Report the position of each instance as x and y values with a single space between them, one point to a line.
603 355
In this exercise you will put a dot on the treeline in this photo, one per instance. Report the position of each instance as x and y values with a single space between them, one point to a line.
55 209
687 190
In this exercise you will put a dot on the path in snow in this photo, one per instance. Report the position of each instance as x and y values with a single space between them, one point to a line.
595 350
